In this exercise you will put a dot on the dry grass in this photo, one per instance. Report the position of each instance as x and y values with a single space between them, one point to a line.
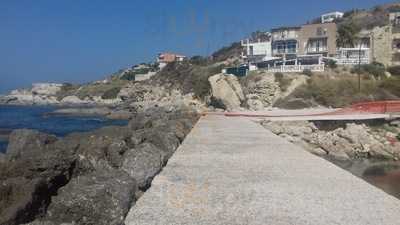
341 91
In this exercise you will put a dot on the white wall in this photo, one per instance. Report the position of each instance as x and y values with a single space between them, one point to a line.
259 48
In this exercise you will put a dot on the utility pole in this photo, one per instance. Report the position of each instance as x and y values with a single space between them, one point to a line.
359 68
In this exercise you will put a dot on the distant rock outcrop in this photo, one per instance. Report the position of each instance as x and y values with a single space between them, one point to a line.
227 90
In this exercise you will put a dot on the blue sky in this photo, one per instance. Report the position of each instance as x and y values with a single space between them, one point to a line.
79 41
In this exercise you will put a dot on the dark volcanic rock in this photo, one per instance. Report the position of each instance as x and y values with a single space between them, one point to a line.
100 149
32 175
87 178
97 198
163 138
3 158
143 163
160 115
27 142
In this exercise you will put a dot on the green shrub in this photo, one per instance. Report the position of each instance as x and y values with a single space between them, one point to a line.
335 92
394 70
128 76
217 103
392 85
66 90
284 82
154 67
278 76
111 93
376 69
331 64
307 72
187 77
215 69
235 49
199 60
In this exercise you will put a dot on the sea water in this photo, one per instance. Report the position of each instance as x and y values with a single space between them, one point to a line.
34 117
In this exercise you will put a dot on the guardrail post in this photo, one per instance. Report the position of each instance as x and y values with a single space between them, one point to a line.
385 108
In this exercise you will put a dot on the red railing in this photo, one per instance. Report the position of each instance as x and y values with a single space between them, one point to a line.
375 107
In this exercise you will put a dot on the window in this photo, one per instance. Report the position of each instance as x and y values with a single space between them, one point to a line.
292 47
315 46
321 31
397 21
396 44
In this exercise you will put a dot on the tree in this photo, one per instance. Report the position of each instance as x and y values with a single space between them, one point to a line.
347 35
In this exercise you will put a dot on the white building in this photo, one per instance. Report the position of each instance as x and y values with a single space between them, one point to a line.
257 50
330 17
353 56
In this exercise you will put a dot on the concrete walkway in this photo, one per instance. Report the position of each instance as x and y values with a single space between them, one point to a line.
233 171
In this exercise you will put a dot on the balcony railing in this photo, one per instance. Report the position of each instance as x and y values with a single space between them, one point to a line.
316 50
297 68
285 37
352 61
353 56
284 51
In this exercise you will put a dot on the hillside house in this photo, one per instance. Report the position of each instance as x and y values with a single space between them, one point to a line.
257 50
164 58
331 17
285 41
379 44
318 39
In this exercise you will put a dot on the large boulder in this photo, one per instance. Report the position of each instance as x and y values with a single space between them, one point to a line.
143 163
227 90
362 141
340 143
261 90
100 149
27 142
334 146
19 201
102 198
31 176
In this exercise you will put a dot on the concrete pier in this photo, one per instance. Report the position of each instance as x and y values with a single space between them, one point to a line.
230 170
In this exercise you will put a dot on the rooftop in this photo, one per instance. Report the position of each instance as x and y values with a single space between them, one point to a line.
286 28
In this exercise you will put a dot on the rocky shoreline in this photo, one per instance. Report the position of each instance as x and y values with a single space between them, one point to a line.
343 140
88 178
